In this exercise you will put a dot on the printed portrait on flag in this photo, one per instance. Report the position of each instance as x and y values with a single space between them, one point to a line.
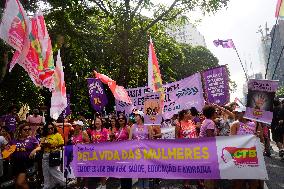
260 98
152 109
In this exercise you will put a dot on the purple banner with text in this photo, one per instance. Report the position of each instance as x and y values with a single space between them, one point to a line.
233 157
260 98
179 95
216 85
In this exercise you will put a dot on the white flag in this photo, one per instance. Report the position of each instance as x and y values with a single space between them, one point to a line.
58 99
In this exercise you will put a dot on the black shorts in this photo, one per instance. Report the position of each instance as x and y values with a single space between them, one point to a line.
277 134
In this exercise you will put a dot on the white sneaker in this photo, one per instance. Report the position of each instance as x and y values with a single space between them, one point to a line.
101 187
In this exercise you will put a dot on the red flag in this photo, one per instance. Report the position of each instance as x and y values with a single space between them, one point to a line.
154 75
118 92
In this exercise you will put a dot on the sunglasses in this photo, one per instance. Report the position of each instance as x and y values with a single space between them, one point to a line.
50 128
120 119
27 129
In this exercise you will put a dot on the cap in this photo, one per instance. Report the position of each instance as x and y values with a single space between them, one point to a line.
240 109
80 123
138 112
36 111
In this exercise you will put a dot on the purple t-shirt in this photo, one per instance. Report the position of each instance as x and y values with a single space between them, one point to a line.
10 122
140 132
24 148
196 120
207 124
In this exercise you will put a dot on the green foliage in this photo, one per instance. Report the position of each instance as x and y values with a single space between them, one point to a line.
280 92
112 37
18 89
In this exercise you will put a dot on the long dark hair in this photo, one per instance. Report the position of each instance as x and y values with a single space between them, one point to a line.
45 129
194 111
182 113
124 118
116 122
208 111
18 132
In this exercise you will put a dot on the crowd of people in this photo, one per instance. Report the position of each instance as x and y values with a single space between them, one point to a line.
38 141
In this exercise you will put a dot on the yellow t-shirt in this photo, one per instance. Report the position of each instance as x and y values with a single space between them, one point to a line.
55 140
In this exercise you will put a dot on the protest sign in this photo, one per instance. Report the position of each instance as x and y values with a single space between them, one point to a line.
234 157
168 133
260 100
97 94
179 95
216 85
152 109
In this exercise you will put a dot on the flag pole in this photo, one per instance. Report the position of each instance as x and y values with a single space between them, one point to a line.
241 62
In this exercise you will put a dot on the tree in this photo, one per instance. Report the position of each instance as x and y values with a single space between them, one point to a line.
111 37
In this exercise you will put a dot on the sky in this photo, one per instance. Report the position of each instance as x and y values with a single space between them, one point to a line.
240 21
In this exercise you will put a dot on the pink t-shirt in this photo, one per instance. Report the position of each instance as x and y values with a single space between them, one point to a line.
187 129
207 124
99 136
33 119
34 122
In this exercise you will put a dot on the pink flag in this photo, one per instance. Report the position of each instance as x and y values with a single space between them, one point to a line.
15 30
58 99
278 7
46 67
118 91
14 25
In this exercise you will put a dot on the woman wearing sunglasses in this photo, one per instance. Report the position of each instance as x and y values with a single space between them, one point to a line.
139 131
22 158
123 134
51 142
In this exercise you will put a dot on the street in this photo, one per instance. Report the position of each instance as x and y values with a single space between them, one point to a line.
275 169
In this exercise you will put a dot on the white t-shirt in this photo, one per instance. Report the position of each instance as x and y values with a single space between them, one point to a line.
3 142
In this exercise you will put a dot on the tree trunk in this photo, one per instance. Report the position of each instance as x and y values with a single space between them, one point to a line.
4 67
124 74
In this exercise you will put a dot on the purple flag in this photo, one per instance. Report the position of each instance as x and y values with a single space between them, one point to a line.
224 43
97 94
260 100
216 84
67 110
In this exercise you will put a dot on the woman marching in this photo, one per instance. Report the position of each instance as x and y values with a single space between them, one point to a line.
209 129
79 137
139 131
99 135
245 127
185 128
22 158
52 143
122 134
